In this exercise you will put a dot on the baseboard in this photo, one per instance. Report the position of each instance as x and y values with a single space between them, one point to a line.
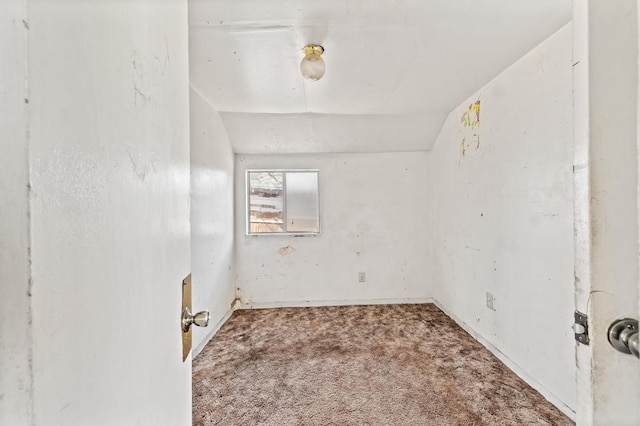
212 332
314 303
511 365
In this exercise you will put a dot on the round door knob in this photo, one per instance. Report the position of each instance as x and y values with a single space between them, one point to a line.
634 345
623 336
200 319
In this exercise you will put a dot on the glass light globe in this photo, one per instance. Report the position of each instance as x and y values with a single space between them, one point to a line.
312 66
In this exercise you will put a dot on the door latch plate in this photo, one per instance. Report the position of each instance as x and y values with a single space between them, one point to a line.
581 327
186 304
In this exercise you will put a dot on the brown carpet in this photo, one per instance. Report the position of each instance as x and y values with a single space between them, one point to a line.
357 365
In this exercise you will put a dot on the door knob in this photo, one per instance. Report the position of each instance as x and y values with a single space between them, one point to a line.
201 319
623 335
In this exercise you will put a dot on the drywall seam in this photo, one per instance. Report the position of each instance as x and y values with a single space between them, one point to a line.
510 364
204 98
214 109
314 303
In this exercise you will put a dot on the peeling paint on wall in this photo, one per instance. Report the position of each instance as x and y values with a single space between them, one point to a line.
470 129
471 117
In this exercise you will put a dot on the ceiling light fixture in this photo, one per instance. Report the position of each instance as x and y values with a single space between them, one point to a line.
312 65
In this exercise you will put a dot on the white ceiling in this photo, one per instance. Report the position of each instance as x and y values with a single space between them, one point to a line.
395 68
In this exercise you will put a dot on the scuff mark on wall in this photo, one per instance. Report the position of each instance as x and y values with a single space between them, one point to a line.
149 67
167 59
142 165
286 250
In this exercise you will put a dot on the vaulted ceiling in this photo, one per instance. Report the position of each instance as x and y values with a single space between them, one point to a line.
394 68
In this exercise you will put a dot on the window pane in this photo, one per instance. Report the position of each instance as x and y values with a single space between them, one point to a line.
266 202
302 202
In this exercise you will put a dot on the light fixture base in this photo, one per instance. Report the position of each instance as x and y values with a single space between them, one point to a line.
313 48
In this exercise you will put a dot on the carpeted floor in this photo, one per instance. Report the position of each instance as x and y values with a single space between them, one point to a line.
357 365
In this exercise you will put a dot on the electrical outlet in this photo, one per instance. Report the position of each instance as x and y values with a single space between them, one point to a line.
361 277
490 300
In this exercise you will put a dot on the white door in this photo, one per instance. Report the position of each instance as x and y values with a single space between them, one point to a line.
108 217
607 215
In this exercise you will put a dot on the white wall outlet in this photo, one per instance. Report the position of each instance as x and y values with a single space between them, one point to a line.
361 277
490 301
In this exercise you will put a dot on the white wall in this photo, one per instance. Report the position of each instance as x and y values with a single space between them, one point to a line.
15 316
372 219
610 93
212 206
109 156
502 218
581 202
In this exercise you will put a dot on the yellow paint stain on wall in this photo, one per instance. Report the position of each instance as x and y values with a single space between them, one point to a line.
470 130
471 117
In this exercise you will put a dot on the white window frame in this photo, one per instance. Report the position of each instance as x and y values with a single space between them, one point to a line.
247 192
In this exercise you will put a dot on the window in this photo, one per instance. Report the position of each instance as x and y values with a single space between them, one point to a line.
282 202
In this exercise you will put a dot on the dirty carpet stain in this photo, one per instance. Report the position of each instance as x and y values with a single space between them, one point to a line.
357 365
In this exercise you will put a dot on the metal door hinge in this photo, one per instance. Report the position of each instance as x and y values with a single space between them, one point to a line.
581 328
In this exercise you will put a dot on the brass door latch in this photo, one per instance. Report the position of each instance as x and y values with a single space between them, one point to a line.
200 319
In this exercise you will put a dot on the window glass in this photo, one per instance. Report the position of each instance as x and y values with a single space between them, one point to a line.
282 202
302 202
266 202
